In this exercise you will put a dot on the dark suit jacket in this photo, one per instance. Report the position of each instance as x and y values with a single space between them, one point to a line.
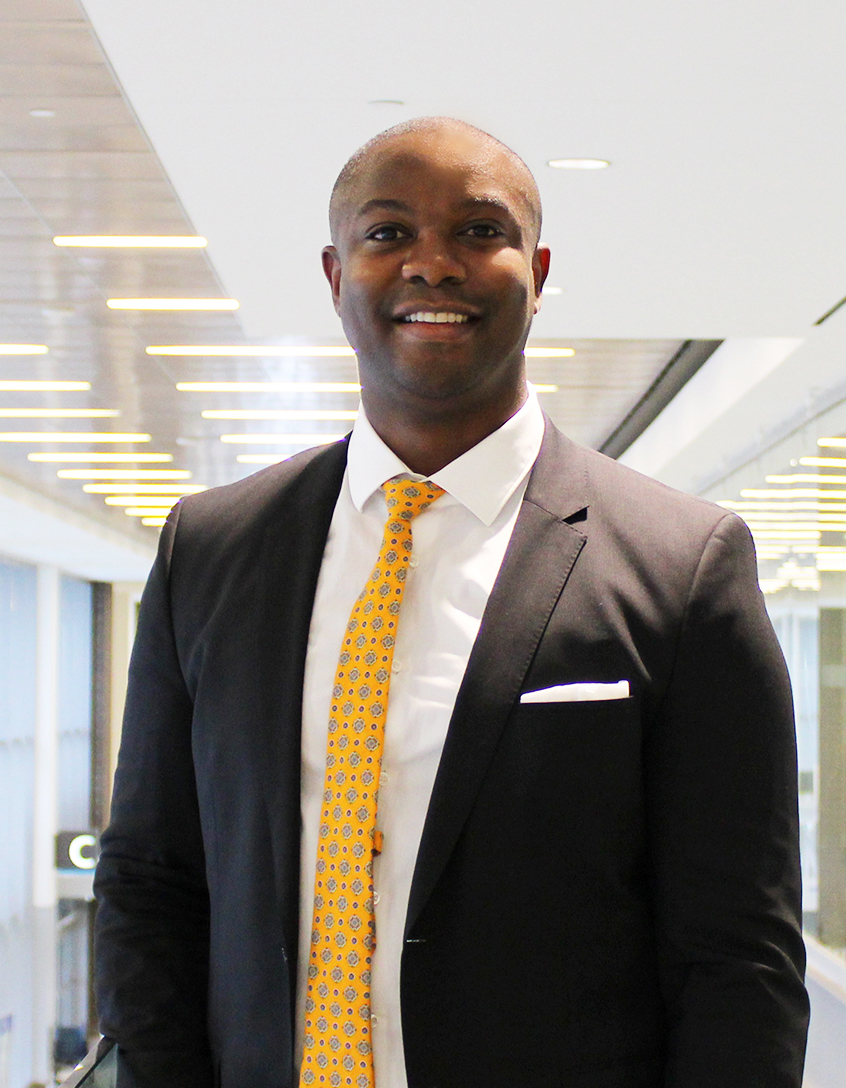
606 893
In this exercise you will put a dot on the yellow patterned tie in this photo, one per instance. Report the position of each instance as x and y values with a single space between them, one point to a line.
337 1047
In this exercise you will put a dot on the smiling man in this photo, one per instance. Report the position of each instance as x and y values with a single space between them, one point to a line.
455 755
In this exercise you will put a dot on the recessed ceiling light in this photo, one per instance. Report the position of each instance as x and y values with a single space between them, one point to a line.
286 350
278 413
123 474
99 458
548 353
578 164
268 387
118 488
173 304
70 436
131 241
23 349
282 439
43 387
58 413
147 500
553 290
42 113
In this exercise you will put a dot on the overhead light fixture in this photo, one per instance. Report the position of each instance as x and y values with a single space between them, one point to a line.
158 522
548 353
282 439
124 474
23 349
42 113
823 462
58 413
268 387
158 512
543 388
95 457
117 488
741 507
806 478
131 241
70 436
834 443
578 164
173 303
794 493
310 351
152 502
552 291
277 413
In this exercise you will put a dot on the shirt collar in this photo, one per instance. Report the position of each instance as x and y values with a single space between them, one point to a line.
483 479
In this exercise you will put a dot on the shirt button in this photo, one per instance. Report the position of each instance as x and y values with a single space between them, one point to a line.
384 776
376 898
374 1019
413 561
396 666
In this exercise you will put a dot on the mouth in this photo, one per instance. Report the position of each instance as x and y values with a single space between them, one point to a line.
441 317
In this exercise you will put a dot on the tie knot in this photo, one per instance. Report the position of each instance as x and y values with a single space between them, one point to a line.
408 498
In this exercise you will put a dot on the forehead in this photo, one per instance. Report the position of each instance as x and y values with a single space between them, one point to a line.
438 170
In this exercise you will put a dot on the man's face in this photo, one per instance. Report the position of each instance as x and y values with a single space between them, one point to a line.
435 276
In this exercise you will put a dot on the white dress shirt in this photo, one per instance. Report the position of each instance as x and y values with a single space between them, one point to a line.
459 544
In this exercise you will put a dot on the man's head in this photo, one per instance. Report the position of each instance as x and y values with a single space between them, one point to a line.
436 219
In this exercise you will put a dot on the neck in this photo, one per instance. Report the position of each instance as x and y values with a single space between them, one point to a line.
426 441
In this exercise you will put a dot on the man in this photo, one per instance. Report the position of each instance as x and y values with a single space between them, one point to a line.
581 865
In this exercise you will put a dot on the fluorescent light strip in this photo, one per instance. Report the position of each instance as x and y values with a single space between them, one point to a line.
172 303
23 349
147 511
268 387
789 515
70 436
282 439
741 507
794 493
152 521
152 501
277 413
806 478
833 443
100 458
793 527
123 474
132 241
794 534
118 488
58 413
281 350
543 388
823 462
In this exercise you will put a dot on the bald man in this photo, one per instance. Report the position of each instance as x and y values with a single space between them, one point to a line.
455 755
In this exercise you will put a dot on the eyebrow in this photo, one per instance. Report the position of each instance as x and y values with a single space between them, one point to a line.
386 204
472 202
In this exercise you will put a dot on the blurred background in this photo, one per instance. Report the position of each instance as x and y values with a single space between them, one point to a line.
165 169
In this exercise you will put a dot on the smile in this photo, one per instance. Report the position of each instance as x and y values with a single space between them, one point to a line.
443 318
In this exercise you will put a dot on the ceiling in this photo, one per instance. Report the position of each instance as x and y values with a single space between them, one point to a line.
720 215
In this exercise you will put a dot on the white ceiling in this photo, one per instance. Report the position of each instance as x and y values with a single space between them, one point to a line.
722 212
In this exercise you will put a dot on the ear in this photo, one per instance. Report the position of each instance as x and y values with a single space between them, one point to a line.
332 271
540 270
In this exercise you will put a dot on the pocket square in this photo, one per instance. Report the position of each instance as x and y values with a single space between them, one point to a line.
577 693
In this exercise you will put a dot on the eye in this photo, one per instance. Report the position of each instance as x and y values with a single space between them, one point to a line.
483 230
388 232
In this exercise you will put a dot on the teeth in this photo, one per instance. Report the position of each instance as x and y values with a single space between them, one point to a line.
438 319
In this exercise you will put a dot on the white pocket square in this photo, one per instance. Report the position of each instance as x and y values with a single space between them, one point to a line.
577 693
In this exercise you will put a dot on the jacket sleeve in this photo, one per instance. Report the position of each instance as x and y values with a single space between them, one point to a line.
152 932
721 767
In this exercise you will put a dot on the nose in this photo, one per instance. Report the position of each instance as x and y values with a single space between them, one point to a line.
432 260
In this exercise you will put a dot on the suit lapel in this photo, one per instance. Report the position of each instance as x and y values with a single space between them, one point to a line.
291 555
537 564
